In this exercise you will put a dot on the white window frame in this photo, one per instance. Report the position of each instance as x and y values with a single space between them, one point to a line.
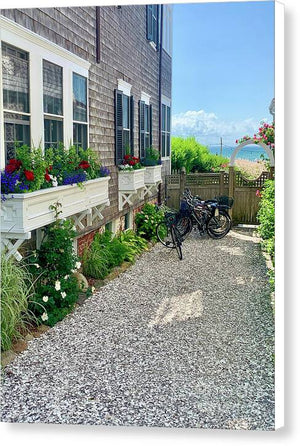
40 48
167 102
167 34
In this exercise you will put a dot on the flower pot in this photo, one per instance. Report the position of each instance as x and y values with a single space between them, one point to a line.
22 213
131 180
153 174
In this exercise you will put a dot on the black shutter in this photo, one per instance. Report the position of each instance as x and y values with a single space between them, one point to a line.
119 126
150 125
155 25
131 123
149 22
142 129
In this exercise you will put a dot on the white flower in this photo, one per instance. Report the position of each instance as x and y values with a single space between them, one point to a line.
66 277
44 317
78 265
54 182
63 294
36 265
57 285
73 270
45 298
74 228
93 289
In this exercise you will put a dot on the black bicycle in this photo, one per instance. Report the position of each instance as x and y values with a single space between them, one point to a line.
209 216
170 232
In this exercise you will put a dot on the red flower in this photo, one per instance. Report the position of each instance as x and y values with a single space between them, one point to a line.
135 158
47 177
83 165
29 175
13 165
127 157
131 163
50 167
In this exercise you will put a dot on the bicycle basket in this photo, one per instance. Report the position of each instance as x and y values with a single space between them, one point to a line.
184 208
223 200
171 218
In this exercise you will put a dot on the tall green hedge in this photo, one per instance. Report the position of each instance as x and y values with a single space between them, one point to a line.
194 157
266 217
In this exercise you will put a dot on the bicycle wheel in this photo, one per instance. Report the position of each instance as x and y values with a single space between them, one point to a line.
163 234
176 241
219 225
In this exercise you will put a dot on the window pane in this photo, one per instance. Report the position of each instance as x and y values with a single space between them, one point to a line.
163 145
53 133
15 74
146 118
16 133
80 135
79 98
147 141
52 88
126 139
125 111
163 117
168 119
168 142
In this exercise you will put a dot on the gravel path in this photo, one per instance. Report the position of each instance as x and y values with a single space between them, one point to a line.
167 343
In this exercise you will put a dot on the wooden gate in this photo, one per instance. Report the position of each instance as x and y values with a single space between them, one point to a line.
209 185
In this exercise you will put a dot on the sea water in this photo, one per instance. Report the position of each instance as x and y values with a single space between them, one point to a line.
252 152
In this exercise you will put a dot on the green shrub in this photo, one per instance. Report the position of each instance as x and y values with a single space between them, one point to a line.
147 220
194 157
16 290
56 289
266 217
108 251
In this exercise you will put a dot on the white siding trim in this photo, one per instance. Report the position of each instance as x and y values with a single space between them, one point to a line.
145 97
125 87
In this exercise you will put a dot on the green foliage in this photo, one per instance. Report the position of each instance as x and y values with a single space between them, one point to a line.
266 217
32 161
107 252
147 220
56 288
194 157
152 157
16 290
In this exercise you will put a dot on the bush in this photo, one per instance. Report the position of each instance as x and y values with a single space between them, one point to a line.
107 252
266 217
147 220
56 289
16 289
194 157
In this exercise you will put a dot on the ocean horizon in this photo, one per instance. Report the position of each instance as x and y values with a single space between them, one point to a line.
251 152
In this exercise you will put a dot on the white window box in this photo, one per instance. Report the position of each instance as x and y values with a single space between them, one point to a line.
22 213
131 180
131 185
153 174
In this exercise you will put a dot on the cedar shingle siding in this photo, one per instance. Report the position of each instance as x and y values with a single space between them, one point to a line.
125 53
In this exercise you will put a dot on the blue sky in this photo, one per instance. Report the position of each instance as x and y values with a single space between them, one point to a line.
223 69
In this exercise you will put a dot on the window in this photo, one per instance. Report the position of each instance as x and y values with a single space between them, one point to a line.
152 23
52 104
15 75
80 127
124 119
166 131
145 127
167 28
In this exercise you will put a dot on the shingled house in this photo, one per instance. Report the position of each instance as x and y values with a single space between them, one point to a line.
96 77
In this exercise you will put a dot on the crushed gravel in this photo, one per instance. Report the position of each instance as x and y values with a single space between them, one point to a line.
168 343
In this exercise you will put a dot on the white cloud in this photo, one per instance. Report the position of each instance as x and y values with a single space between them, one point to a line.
208 127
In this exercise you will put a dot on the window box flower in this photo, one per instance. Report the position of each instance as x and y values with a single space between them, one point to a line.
24 212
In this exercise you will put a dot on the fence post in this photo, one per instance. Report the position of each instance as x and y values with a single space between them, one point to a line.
221 187
231 185
182 183
272 173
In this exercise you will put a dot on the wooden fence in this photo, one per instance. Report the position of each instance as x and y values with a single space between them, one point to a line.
209 185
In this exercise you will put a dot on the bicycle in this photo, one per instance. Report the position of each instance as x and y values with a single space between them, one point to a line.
168 232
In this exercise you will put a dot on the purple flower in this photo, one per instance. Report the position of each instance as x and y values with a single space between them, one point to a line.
11 183
104 171
74 178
